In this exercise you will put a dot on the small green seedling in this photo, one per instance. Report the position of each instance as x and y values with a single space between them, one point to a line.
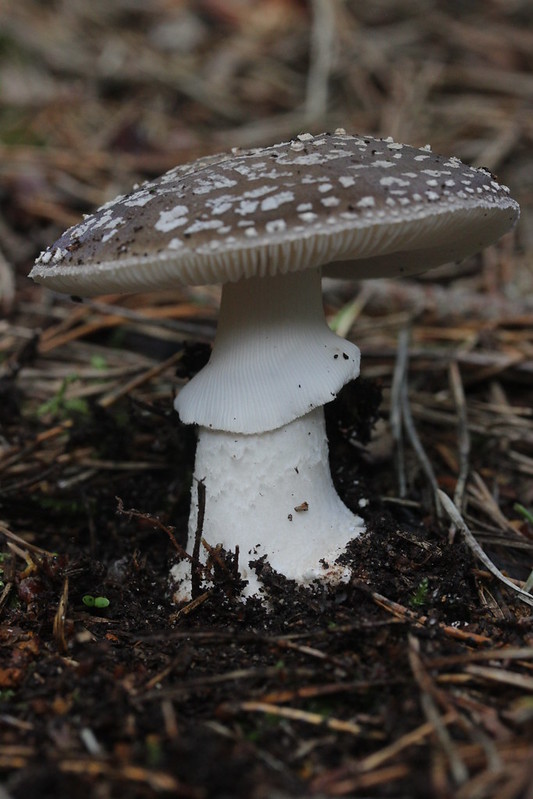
419 596
524 512
63 406
95 601
98 362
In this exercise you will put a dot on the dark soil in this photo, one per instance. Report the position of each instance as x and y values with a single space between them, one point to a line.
140 698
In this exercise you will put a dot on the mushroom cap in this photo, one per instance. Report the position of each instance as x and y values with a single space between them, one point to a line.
361 206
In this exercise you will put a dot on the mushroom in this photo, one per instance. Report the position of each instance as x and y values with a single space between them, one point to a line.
266 223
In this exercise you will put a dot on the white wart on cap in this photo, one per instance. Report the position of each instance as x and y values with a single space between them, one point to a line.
378 207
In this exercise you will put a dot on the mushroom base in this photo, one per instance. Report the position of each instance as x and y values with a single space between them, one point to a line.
271 494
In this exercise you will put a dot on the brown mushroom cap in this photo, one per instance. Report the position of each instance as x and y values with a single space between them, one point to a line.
364 207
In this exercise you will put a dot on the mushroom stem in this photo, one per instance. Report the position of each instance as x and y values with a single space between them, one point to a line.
262 449
271 494
274 357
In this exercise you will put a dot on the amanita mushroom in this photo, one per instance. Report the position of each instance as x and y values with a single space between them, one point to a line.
266 223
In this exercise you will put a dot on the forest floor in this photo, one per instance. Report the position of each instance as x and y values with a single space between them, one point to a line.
413 680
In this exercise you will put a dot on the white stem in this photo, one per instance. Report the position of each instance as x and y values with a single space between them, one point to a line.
271 494
274 357
262 448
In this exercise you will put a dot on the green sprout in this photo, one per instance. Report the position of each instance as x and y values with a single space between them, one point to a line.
524 512
95 601
63 406
419 596
98 362
154 751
